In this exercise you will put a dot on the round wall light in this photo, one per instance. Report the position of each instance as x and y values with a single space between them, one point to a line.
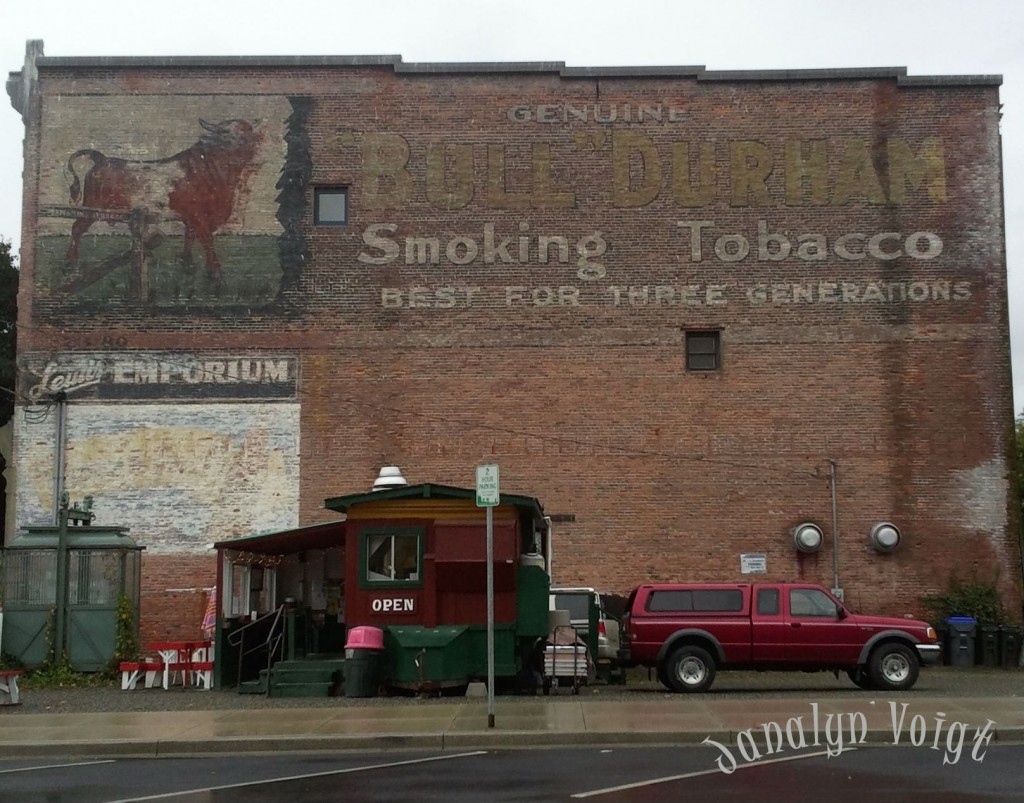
807 537
885 537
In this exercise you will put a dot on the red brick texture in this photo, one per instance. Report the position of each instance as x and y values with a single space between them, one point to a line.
890 358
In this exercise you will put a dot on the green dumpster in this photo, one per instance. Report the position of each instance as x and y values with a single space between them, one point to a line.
988 645
1009 645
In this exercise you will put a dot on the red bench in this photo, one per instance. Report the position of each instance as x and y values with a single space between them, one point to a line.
9 686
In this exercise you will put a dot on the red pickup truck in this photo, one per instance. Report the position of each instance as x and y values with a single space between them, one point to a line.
689 631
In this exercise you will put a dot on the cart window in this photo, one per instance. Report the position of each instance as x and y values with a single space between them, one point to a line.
392 558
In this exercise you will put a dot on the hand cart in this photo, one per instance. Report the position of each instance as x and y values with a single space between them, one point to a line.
566 657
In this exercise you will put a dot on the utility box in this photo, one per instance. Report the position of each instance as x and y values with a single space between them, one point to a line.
103 564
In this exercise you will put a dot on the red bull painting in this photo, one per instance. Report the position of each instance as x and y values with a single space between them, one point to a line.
202 214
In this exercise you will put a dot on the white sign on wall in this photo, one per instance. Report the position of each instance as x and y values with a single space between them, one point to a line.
753 563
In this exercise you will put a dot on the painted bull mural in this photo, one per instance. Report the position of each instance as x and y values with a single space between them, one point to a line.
198 186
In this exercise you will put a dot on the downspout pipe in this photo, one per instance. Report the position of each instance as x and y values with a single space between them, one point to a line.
835 526
60 447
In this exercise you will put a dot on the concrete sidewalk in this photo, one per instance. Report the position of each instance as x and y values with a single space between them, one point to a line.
519 722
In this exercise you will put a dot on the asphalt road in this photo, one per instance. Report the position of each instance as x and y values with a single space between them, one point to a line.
623 774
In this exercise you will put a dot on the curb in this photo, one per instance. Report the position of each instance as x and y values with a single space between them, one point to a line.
481 740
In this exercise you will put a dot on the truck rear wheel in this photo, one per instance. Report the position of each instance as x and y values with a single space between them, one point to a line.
893 667
690 669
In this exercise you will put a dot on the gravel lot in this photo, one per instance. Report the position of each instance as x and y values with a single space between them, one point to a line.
934 682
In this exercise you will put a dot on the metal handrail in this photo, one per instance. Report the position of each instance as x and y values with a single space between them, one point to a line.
275 635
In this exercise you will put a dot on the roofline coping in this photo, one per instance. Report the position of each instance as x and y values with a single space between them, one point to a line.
697 72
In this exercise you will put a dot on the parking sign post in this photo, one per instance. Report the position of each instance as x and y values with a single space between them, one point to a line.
487 496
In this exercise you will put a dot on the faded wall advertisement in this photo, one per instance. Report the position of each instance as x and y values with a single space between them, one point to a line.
185 449
180 476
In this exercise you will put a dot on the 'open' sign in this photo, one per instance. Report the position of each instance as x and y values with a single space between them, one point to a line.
393 605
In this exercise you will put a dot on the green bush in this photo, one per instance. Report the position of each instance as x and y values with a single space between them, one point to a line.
974 597
126 638
62 675
8 661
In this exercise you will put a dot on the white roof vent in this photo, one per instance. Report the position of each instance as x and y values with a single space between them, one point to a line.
390 477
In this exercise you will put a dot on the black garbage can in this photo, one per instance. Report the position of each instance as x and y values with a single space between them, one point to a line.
1009 645
364 661
362 672
960 644
942 633
986 644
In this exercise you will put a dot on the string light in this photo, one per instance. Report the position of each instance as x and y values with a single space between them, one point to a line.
258 559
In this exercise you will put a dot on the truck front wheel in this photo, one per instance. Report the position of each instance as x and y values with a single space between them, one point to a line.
893 667
689 669
860 678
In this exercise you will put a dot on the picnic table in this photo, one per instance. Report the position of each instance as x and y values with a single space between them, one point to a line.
9 694
189 659
192 661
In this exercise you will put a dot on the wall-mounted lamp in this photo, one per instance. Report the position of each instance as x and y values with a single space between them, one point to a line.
885 537
807 537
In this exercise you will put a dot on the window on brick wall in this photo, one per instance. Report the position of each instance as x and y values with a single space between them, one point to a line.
703 350
330 206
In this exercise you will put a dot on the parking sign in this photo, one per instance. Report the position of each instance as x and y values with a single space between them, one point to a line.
487 486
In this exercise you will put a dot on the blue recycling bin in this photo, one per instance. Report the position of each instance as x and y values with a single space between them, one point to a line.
960 640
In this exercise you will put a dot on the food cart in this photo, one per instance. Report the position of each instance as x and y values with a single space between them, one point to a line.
407 560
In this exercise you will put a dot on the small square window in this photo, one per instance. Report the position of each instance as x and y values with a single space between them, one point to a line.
330 206
392 557
703 351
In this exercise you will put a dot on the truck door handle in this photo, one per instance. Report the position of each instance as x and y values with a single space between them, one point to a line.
794 624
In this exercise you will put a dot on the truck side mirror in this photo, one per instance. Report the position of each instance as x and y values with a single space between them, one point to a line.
842 612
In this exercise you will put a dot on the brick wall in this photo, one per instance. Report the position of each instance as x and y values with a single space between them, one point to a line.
175 589
867 323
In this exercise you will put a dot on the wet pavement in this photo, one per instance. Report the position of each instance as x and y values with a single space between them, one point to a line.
151 722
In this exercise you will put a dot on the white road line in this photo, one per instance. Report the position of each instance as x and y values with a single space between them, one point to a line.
609 790
58 766
301 777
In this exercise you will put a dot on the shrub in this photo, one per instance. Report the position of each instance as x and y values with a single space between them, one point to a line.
974 597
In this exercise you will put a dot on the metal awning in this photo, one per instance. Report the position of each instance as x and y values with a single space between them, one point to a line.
298 539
